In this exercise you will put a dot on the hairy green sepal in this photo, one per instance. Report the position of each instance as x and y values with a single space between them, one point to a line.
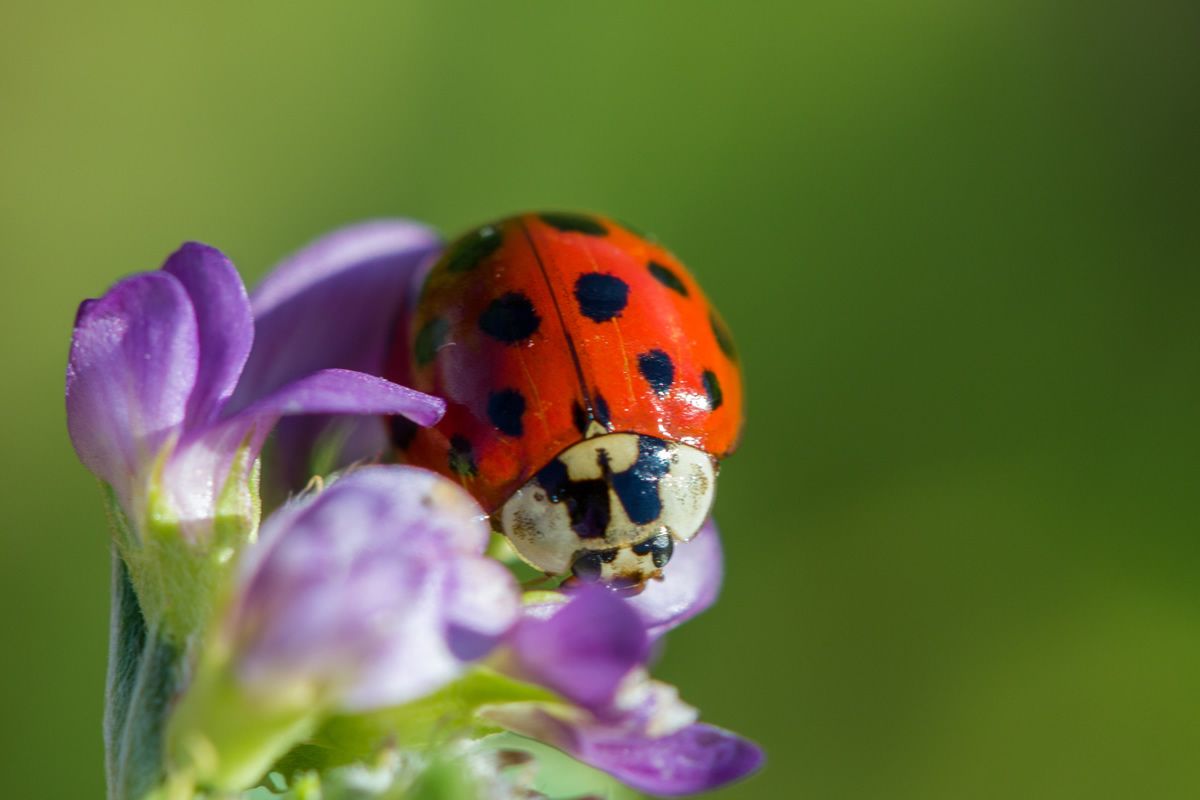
177 576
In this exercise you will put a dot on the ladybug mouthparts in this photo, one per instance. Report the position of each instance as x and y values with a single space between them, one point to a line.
611 507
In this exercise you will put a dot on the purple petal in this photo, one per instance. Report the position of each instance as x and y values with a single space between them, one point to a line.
585 649
349 594
131 370
196 473
690 583
332 391
412 656
332 305
226 328
456 521
342 391
480 606
357 261
695 759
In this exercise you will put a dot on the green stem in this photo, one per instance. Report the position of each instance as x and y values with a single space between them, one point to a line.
143 675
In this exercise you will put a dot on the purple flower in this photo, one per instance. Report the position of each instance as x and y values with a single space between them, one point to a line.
374 593
334 304
370 594
153 366
591 651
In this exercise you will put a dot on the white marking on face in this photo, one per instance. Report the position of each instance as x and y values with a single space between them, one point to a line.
676 481
687 492
583 460
594 429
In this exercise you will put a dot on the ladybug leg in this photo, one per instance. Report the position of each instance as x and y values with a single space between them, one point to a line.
540 582
629 589
623 588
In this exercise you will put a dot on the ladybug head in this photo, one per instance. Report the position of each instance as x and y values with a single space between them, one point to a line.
609 508
625 566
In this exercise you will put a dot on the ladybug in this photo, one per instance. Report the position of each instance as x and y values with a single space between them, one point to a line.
591 391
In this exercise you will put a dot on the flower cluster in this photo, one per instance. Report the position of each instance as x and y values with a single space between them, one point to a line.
372 625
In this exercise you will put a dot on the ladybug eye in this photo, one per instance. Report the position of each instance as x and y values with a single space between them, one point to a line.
589 566
659 548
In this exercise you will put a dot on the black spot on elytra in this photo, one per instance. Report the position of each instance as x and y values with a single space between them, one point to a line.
510 318
600 410
712 388
574 223
403 430
474 248
599 413
724 340
430 337
462 457
637 487
601 296
667 278
657 369
579 417
505 409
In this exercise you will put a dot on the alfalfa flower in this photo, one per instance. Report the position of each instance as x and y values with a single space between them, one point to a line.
373 593
366 622
152 369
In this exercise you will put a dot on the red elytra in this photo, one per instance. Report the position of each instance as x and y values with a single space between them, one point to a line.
542 329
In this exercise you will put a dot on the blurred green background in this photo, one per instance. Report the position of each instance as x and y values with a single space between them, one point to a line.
956 241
